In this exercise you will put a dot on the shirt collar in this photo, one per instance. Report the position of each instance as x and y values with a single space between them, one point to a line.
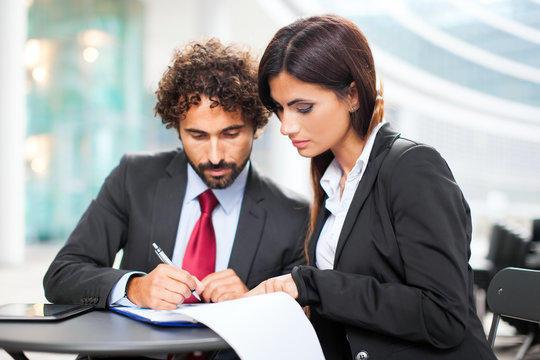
228 198
331 177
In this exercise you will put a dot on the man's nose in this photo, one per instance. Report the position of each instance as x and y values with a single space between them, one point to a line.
215 152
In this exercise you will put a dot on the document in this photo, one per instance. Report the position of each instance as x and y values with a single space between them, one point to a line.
263 327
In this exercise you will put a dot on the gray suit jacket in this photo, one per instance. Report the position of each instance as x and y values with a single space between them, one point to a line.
140 203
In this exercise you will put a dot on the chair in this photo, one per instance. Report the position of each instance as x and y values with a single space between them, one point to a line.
515 293
506 248
536 230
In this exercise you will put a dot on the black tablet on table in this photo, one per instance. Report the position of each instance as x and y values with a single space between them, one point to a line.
38 311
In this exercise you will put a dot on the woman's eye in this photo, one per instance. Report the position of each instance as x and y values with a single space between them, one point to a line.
305 108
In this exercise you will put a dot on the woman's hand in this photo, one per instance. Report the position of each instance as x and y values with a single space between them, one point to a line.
283 283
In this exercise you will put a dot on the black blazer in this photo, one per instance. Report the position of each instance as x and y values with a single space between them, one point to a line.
140 203
401 287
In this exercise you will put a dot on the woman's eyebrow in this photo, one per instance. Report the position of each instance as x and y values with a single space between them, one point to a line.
292 102
297 101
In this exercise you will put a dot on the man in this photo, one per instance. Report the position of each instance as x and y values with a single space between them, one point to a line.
252 232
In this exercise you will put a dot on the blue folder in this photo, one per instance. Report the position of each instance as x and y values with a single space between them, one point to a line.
149 316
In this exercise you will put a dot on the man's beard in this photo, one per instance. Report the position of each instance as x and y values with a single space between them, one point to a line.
218 182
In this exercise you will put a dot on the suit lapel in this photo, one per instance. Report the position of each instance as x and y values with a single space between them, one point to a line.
250 228
384 140
321 219
167 207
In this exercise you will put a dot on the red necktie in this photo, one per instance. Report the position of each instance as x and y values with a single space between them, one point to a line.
200 255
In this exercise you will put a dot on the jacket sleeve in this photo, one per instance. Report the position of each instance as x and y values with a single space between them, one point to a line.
431 225
296 254
82 271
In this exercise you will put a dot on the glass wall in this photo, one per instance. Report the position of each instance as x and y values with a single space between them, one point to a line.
86 104
463 76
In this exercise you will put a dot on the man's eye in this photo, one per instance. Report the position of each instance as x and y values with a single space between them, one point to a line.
231 134
198 136
304 108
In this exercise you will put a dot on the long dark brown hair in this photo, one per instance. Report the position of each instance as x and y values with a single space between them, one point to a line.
332 52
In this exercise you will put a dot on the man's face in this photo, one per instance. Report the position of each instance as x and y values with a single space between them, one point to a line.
217 143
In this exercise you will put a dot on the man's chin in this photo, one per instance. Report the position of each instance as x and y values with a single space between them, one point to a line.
218 182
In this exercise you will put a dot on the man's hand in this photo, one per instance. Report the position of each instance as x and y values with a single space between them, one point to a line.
222 285
164 288
283 283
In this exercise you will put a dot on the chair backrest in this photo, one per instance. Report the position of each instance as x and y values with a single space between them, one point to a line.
507 248
515 293
515 251
496 242
536 230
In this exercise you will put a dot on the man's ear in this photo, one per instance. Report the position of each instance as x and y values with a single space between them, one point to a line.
258 133
352 96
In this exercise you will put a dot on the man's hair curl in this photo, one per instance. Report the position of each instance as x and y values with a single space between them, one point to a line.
226 75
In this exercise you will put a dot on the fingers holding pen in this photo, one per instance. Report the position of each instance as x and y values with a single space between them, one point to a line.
163 288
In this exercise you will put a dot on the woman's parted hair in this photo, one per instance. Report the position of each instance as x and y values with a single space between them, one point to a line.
332 52
227 75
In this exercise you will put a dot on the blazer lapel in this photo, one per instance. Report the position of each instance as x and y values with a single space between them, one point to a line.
312 245
384 140
167 207
250 228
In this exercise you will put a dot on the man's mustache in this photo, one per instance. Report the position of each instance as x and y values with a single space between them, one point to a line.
219 166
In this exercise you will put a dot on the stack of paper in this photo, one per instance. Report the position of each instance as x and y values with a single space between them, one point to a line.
271 326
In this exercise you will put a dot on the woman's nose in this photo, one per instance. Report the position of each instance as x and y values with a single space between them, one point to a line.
289 126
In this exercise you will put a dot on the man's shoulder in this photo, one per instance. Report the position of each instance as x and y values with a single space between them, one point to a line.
279 195
151 157
141 167
150 160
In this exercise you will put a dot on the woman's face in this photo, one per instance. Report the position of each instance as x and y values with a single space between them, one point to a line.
314 118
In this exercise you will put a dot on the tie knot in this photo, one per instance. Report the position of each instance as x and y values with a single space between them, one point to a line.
207 201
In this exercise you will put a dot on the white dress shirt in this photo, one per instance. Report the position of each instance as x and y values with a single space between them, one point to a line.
338 204
224 218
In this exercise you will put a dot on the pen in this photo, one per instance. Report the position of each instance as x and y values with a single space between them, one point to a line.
165 259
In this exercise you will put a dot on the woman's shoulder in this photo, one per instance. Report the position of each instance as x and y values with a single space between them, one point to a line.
405 151
409 159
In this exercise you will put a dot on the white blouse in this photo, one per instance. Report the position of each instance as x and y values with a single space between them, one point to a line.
339 206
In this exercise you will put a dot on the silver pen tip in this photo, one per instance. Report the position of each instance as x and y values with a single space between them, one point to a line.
155 246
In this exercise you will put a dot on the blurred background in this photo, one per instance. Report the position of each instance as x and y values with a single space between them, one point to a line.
463 76
77 83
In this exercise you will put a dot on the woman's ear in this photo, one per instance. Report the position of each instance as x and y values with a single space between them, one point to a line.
352 96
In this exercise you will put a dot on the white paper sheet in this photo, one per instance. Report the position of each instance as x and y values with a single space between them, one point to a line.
271 326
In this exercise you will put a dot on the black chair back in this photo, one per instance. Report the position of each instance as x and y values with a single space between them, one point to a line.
514 293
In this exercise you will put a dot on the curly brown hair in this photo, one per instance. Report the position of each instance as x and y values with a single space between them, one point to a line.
225 74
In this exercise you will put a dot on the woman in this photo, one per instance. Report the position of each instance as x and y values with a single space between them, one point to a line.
389 246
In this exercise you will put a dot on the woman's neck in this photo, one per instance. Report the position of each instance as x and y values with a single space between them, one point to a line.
348 151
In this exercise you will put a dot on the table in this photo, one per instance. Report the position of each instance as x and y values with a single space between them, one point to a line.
102 332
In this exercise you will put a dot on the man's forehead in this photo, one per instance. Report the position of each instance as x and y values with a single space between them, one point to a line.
212 120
